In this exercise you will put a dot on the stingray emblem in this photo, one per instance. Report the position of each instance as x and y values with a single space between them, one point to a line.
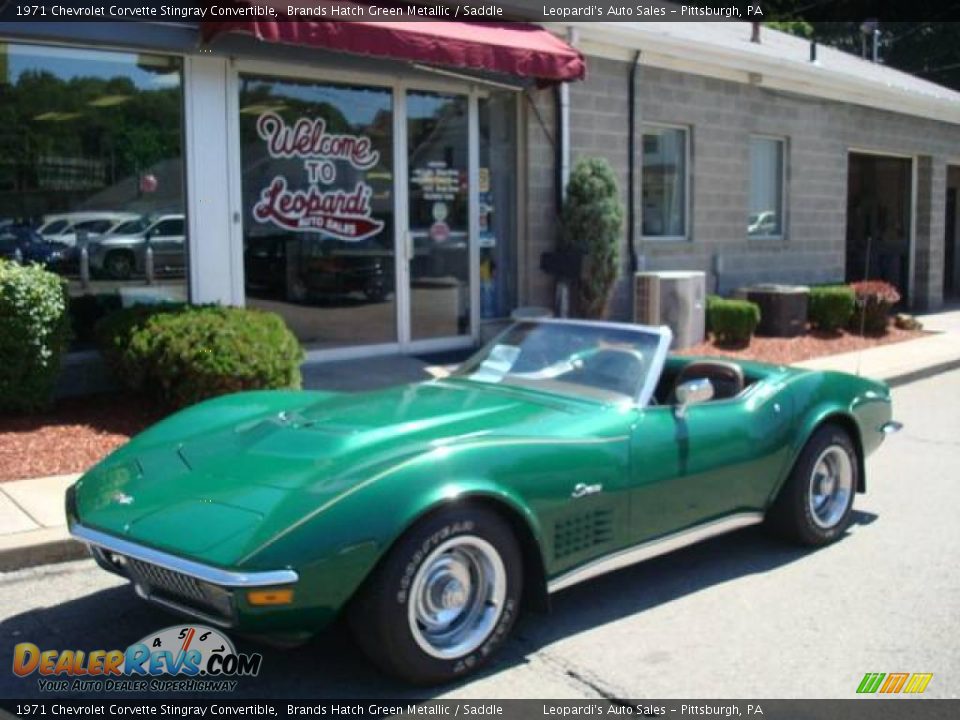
582 490
123 499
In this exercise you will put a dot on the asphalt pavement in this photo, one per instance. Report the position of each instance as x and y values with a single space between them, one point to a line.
742 616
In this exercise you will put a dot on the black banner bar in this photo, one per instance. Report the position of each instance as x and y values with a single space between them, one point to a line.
215 709
192 11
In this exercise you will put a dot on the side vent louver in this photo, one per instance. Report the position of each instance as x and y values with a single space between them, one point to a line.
582 532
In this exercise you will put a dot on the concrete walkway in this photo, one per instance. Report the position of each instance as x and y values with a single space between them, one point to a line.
32 523
32 529
905 362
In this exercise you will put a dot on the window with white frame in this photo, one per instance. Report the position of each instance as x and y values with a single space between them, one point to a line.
665 153
766 201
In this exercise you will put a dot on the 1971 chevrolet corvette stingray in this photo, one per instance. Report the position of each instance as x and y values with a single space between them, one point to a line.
430 514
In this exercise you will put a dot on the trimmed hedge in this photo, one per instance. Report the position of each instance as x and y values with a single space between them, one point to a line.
182 354
34 332
830 307
711 300
874 301
732 322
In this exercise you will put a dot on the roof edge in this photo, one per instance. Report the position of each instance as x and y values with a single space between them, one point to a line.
619 42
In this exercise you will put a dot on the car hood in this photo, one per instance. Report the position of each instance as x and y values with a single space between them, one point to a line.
215 494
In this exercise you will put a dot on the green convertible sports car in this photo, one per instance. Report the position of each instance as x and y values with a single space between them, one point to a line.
430 514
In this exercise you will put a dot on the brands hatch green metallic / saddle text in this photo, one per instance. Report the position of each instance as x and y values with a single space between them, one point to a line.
431 514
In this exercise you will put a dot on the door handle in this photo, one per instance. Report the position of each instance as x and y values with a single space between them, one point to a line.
408 245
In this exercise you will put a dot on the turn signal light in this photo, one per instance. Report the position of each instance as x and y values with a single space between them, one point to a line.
270 597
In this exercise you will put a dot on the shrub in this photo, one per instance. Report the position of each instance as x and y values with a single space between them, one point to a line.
182 354
732 321
830 307
711 301
874 301
592 220
34 332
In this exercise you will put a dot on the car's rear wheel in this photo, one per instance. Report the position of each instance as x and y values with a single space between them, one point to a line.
119 265
443 599
816 502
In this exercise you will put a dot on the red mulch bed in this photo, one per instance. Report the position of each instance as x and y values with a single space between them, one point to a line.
784 351
72 436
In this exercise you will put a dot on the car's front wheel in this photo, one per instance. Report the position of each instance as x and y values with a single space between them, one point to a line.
443 599
814 506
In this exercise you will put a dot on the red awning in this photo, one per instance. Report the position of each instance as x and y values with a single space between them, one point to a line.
518 49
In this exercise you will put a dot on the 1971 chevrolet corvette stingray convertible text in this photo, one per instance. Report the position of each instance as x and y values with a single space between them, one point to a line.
430 514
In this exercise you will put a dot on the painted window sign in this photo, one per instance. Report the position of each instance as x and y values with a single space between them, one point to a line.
345 214
438 182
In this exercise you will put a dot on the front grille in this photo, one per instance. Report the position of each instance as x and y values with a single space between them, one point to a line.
169 581
181 591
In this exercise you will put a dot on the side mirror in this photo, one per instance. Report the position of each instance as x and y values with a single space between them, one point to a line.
691 393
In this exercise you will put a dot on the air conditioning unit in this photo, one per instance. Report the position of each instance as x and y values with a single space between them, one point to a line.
673 298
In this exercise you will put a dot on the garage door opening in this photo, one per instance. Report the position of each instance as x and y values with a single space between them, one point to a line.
951 253
878 220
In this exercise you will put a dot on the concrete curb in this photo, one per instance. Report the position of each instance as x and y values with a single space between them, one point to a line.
39 547
923 373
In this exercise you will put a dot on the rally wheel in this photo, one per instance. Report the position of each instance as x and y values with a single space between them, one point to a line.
815 505
444 598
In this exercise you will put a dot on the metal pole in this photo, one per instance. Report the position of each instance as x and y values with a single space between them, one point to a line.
84 267
148 263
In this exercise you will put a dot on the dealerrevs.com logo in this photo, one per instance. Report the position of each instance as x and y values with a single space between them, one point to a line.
182 658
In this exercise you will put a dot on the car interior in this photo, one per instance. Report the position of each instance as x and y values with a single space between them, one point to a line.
728 379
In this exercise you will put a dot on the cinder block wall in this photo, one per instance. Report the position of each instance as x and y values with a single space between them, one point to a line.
721 116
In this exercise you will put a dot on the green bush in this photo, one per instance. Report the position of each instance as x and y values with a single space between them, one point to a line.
591 224
874 301
732 321
182 354
34 332
711 301
830 307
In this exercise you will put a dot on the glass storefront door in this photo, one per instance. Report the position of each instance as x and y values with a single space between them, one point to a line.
364 220
318 208
438 240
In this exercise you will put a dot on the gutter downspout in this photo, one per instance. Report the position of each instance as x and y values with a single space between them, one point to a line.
563 123
562 295
632 165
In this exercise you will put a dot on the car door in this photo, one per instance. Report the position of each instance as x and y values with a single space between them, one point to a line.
718 458
166 239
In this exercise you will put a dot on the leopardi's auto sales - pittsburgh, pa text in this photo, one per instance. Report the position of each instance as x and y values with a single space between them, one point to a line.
641 10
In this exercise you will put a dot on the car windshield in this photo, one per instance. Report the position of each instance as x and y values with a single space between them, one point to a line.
55 227
599 361
130 227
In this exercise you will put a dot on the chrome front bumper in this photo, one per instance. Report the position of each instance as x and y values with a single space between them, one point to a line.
201 591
